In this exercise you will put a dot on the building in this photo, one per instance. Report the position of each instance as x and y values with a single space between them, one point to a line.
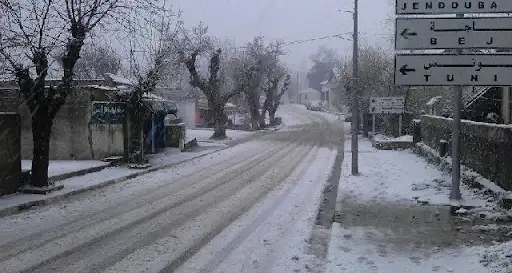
309 95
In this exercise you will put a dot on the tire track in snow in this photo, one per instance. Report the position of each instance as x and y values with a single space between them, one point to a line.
48 262
222 173
84 239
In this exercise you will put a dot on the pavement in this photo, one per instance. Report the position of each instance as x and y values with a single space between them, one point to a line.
205 215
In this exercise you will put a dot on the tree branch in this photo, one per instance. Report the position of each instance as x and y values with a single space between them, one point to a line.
195 79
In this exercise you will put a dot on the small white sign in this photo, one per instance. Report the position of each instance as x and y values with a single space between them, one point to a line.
452 6
453 69
387 105
448 33
381 109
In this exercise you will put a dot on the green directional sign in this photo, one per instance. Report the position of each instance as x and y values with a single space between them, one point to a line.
105 112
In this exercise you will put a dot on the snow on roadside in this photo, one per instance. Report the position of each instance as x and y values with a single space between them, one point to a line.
33 221
58 167
352 250
498 258
291 114
205 134
400 176
383 138
279 243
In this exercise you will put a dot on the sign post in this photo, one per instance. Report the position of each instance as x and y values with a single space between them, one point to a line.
457 109
387 105
459 69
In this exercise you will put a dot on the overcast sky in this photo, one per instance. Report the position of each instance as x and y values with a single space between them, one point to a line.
291 20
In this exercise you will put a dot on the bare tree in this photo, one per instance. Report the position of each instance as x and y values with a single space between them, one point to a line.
29 32
96 60
213 87
324 60
250 77
156 47
274 91
274 74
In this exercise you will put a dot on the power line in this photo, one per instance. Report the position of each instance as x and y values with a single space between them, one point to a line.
296 42
318 38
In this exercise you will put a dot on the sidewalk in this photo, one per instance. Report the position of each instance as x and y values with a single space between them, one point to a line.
395 217
11 204
63 169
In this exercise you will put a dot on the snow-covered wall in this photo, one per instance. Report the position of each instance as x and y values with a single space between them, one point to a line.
485 147
73 135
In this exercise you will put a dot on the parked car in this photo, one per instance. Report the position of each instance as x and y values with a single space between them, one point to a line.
316 106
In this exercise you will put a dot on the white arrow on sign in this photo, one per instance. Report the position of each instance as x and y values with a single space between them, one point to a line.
448 33
381 109
387 101
453 69
452 6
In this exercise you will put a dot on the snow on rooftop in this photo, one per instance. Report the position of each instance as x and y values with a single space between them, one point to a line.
102 87
151 96
434 100
120 79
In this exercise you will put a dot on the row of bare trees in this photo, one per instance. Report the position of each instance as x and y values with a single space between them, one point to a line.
251 71
69 39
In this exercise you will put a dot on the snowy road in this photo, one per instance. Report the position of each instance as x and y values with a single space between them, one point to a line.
249 208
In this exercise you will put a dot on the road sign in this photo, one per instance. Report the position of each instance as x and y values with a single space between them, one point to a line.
387 105
387 101
453 69
452 6
445 33
381 109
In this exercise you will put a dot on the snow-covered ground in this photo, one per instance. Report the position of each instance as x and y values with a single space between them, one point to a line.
58 167
273 236
358 249
297 114
249 208
400 176
203 135
382 228
93 179
383 138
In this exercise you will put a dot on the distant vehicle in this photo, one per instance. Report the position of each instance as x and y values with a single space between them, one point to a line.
315 106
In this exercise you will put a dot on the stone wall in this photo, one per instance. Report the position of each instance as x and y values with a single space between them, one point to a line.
10 159
73 136
485 147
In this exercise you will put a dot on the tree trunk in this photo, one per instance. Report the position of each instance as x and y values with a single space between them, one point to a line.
272 117
41 132
220 120
255 118
263 115
253 103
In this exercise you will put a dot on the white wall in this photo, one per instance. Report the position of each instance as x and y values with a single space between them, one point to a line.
187 112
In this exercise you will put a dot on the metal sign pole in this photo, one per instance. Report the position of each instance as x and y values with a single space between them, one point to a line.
373 125
355 99
400 121
455 191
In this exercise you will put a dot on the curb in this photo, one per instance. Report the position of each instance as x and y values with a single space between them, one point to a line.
467 177
46 201
64 176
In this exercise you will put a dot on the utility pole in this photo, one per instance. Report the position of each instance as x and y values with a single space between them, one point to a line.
355 100
457 115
